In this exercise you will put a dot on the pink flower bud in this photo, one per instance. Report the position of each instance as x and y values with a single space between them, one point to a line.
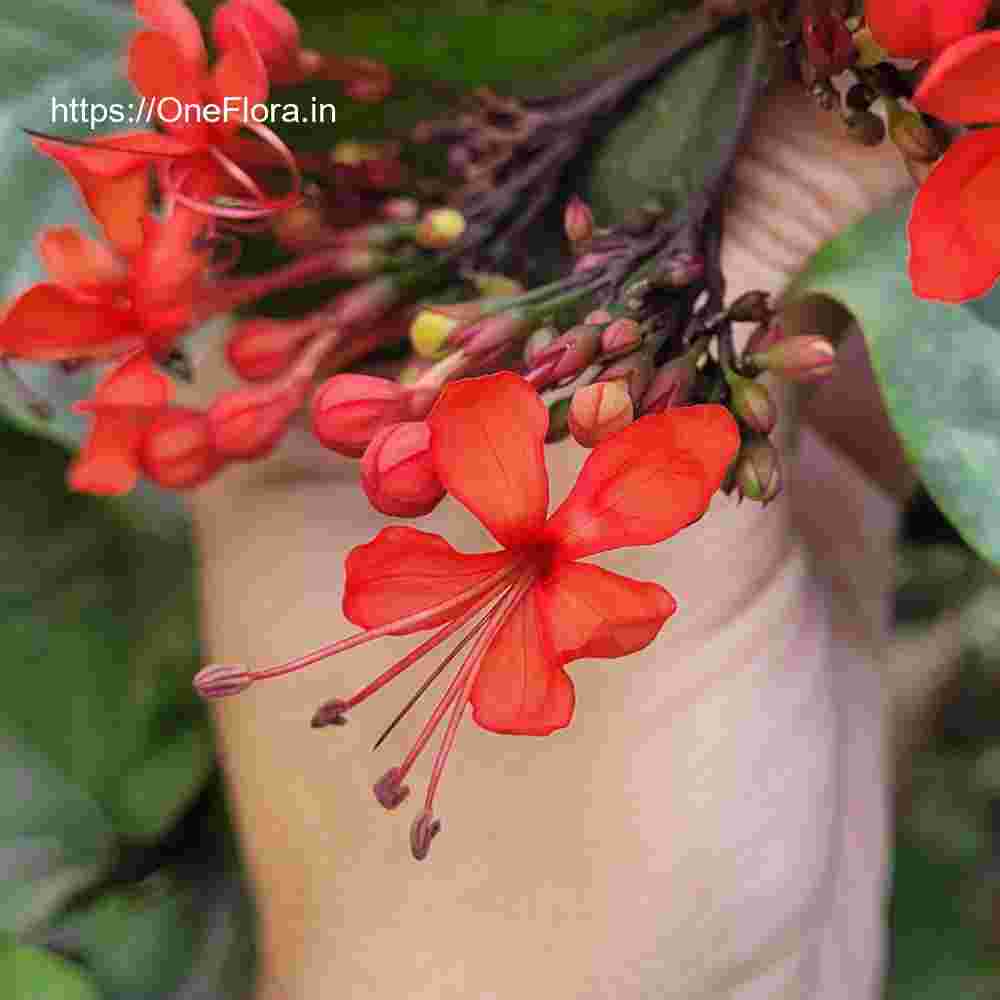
620 337
221 680
671 385
538 342
349 410
598 317
752 403
636 370
600 410
365 303
803 358
569 353
764 337
679 270
485 337
260 349
248 423
399 209
398 473
177 450
578 221
272 28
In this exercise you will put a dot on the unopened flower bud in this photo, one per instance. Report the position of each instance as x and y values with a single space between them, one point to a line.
430 330
865 127
364 304
300 226
636 370
178 451
349 410
220 681
758 471
620 337
350 153
599 411
424 829
484 338
398 473
569 353
578 221
262 348
330 713
829 45
672 385
752 403
751 307
399 209
597 317
248 422
272 28
802 358
440 228
913 137
679 270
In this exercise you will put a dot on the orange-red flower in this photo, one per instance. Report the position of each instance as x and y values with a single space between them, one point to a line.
954 228
542 607
919 29
100 305
125 403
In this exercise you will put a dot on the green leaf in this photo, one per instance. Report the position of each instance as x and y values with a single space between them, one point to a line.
49 51
938 367
28 973
671 141
97 621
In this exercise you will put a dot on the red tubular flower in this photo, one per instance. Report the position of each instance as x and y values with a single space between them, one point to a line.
543 608
126 401
99 306
919 29
954 227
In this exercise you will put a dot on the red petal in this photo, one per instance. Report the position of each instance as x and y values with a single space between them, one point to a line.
963 83
51 323
136 383
522 687
589 611
160 72
72 258
487 436
919 29
647 482
403 571
175 18
115 154
954 228
108 463
240 73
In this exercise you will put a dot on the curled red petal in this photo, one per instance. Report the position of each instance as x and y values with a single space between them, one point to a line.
589 611
274 31
521 687
403 571
49 322
74 259
963 83
108 462
240 75
647 482
136 383
175 19
919 29
487 436
954 227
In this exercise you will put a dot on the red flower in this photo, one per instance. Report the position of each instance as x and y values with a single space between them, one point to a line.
545 608
919 29
125 403
99 306
954 227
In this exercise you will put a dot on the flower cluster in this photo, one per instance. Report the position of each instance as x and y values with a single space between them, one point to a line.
636 325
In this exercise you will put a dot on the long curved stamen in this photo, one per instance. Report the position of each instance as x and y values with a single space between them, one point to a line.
411 621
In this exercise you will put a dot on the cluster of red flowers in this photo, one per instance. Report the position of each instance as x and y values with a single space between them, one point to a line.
955 223
167 203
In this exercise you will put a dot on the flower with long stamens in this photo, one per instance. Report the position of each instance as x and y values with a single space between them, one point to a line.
541 606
